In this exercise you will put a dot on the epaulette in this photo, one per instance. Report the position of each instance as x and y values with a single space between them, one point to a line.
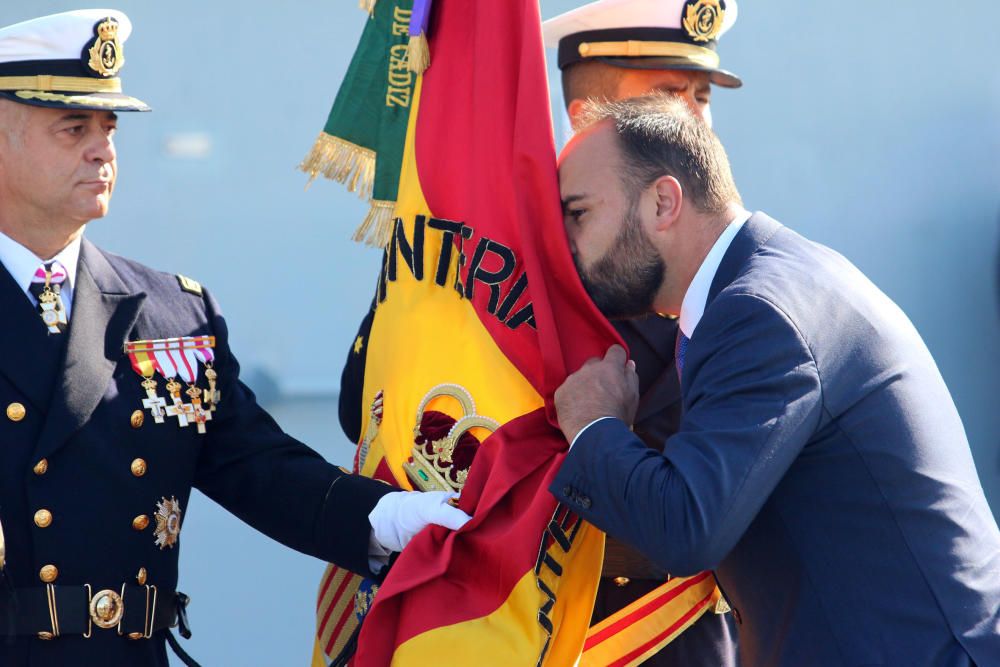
189 285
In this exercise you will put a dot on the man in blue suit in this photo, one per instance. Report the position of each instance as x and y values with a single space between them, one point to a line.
821 468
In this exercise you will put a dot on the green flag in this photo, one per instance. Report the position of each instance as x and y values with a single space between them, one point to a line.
361 144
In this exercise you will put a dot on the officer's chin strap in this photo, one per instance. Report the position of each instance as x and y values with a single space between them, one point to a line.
184 629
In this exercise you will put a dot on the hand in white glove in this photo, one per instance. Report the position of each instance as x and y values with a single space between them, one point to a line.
399 516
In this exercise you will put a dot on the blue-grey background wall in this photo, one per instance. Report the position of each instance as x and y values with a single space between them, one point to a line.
871 127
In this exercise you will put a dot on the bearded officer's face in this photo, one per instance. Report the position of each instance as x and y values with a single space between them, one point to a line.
57 166
618 265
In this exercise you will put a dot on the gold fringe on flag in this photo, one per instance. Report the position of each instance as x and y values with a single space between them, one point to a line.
376 230
419 53
343 162
367 5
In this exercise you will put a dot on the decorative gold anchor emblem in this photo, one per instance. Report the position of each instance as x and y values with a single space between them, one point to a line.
106 56
703 19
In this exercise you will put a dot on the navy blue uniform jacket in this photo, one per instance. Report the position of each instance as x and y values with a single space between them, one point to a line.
821 469
79 391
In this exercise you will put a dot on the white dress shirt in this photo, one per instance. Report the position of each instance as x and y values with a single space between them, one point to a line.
21 264
696 296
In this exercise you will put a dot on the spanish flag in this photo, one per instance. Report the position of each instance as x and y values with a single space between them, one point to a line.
479 316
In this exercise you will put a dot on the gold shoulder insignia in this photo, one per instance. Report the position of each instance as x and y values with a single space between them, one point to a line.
189 285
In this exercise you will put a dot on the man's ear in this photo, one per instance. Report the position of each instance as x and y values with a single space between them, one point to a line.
669 195
574 110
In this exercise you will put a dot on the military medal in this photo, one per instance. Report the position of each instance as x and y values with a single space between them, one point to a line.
175 358
144 364
168 522
177 408
200 414
49 301
212 395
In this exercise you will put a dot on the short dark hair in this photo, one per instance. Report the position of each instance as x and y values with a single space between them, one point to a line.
659 136
590 79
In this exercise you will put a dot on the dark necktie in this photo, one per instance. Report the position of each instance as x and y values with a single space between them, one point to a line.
680 348
45 287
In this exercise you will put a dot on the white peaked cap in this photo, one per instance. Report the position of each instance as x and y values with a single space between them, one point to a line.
58 36
646 34
67 61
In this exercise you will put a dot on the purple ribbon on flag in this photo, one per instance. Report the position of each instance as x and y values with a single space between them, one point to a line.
420 17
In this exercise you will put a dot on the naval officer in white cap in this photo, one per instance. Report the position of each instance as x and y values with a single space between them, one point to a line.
616 49
100 444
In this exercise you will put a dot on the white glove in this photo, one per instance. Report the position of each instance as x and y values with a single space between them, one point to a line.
400 515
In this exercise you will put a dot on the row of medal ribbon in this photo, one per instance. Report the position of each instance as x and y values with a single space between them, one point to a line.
176 359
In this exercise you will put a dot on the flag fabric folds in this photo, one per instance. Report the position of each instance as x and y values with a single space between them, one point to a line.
464 353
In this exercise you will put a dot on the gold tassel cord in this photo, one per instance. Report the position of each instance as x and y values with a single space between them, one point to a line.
376 230
367 5
418 54
343 162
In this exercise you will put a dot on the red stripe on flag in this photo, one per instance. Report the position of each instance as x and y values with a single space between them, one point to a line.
336 596
341 622
642 612
629 657
326 586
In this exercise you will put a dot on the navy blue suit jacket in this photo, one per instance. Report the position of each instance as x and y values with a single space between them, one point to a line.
821 469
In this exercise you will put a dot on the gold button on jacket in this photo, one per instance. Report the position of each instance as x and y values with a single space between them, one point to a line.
138 467
48 573
15 412
141 522
43 518
41 467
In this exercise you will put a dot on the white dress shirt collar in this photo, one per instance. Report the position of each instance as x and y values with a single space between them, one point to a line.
696 297
21 263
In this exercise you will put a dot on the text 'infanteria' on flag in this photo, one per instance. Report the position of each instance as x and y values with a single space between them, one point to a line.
492 265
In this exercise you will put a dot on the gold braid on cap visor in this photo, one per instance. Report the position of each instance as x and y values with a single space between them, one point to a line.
67 84
698 55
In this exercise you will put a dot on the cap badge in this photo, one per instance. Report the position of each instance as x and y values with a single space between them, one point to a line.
703 19
105 52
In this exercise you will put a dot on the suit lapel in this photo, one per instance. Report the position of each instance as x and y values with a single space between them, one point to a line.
104 312
28 358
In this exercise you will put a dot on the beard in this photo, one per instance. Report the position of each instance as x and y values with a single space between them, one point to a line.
624 282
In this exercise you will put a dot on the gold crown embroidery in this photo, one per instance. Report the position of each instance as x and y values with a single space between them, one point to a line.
432 466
